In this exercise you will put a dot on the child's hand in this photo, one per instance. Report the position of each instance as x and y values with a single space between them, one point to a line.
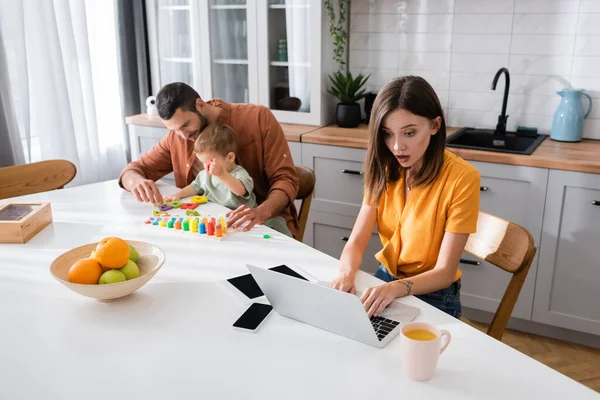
216 169
172 197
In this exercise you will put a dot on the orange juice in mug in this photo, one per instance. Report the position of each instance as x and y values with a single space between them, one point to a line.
420 346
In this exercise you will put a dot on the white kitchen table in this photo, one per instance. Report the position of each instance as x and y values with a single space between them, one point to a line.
173 338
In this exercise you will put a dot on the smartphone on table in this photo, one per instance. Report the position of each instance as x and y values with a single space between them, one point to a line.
253 317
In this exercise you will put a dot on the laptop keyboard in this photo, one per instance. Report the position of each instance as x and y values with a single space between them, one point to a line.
383 326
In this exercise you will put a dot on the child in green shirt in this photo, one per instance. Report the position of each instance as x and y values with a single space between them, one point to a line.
222 181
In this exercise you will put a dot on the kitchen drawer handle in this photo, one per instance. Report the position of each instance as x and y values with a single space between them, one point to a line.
352 172
345 238
469 262
483 188
596 202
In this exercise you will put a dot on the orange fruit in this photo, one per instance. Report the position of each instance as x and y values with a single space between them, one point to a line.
112 252
86 271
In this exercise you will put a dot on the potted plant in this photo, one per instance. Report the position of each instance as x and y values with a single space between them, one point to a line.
348 90
345 87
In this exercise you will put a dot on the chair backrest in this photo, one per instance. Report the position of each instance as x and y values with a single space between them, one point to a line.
507 246
20 180
307 179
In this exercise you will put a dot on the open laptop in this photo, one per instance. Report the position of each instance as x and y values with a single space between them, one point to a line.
329 309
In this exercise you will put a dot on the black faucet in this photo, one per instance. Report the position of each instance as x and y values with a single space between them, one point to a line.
501 126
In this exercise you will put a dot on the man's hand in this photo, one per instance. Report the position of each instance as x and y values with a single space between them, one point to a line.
146 190
245 215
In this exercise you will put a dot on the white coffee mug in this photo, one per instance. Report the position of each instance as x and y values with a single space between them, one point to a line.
420 357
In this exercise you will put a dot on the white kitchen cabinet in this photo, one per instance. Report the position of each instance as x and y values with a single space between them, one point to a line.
329 233
339 172
294 59
144 138
568 278
174 45
517 194
271 52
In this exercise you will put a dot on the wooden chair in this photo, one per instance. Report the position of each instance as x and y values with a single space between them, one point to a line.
36 177
307 180
507 246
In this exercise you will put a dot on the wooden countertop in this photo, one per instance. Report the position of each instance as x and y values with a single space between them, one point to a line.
292 132
346 137
579 157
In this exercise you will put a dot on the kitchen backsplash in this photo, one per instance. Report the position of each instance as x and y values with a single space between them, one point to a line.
458 45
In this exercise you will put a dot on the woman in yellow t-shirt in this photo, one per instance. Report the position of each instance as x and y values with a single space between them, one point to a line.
423 198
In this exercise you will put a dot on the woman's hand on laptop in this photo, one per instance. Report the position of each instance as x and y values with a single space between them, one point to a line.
376 299
344 282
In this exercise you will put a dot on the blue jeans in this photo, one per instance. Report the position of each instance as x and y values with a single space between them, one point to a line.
447 300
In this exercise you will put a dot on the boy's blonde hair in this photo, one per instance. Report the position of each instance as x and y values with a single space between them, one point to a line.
216 137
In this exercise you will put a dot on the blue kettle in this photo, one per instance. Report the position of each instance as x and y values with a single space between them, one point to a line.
567 125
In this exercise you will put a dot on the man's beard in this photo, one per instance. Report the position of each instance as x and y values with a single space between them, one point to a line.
203 124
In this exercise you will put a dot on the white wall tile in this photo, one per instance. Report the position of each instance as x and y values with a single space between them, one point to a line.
378 76
543 123
424 61
439 80
589 6
589 24
458 45
373 59
541 85
591 86
374 23
424 42
541 105
483 101
586 66
481 44
587 45
483 6
595 114
547 6
402 7
477 119
375 7
591 128
545 23
483 23
540 65
543 44
428 6
422 23
478 62
374 41
471 81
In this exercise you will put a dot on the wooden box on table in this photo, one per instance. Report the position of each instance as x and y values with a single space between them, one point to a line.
19 222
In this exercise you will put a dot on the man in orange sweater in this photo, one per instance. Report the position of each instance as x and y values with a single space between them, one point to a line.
262 150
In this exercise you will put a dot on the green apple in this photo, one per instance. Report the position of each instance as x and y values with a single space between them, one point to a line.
133 254
112 276
130 270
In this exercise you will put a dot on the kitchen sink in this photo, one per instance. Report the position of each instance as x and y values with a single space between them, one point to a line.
484 139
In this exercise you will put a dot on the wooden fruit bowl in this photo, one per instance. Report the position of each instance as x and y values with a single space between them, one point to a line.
151 258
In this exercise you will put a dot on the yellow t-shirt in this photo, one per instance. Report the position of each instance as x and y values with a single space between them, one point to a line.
412 233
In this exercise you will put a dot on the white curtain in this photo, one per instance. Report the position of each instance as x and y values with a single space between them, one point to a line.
63 70
11 151
298 39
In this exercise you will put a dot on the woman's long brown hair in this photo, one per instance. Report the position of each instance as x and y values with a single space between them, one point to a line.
413 94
